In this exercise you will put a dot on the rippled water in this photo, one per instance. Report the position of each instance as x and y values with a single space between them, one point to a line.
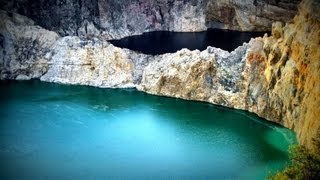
161 42
51 131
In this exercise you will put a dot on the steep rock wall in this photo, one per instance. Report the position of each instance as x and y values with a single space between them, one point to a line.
24 47
112 19
287 78
94 63
212 75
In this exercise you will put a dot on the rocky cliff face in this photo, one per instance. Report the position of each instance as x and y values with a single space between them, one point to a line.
112 19
94 63
276 77
212 76
286 85
23 47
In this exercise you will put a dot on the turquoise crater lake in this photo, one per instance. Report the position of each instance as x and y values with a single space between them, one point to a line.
52 131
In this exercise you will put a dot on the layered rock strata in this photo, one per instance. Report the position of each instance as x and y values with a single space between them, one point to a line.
110 19
276 77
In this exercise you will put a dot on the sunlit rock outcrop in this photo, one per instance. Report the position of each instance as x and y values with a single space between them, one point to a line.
282 74
94 63
24 47
212 75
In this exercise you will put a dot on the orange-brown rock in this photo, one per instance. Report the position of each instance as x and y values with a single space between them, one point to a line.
283 77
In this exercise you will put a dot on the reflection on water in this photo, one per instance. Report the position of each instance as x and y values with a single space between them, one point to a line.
51 131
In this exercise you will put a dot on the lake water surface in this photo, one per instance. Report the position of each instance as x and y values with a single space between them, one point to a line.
52 131
161 42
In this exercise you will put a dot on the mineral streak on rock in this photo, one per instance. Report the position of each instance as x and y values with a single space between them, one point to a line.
288 69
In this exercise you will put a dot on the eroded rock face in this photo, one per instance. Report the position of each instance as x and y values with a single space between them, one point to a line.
287 78
276 77
24 47
212 75
113 19
94 63
249 15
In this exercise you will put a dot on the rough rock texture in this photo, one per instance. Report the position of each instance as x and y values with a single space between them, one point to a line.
112 19
24 47
249 15
212 75
286 85
94 63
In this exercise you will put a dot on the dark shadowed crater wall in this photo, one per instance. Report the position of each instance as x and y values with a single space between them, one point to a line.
113 19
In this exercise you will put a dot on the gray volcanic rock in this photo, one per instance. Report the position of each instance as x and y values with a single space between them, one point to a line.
25 47
249 15
62 16
213 75
94 63
113 19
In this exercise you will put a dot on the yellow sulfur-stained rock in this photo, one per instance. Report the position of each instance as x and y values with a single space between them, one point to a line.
290 92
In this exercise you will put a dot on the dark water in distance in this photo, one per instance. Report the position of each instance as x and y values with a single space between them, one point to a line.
161 42
52 131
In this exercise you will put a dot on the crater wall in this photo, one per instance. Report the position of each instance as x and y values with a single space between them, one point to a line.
113 19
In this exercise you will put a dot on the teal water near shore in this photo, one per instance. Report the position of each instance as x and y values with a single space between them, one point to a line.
52 131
